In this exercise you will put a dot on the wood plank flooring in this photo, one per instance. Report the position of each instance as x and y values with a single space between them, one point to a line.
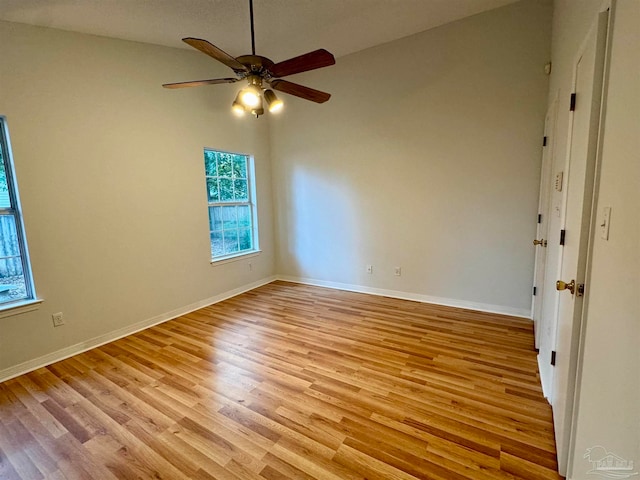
290 381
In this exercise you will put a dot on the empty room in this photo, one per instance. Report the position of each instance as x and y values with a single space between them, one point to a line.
341 239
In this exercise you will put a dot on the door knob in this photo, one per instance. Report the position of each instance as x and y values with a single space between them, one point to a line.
571 286
542 242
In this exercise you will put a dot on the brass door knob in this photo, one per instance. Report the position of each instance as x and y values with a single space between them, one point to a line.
571 286
542 242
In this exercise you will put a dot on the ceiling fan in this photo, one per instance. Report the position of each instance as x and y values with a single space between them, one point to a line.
258 70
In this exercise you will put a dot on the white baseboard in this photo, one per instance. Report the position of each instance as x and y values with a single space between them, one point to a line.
449 302
72 350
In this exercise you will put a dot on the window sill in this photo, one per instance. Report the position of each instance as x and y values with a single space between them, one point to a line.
22 306
235 258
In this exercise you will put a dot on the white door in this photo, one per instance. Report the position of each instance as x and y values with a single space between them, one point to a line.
545 308
580 173
540 242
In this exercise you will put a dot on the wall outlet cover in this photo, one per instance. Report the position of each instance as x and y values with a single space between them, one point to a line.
58 319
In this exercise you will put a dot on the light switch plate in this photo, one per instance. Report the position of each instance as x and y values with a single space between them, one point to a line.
605 220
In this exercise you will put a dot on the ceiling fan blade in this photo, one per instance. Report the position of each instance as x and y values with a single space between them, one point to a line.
197 83
213 51
300 91
303 63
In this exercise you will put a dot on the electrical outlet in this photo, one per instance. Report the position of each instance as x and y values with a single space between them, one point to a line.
58 319
369 269
398 271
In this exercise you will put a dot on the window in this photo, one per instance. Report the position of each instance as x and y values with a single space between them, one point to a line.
232 212
15 272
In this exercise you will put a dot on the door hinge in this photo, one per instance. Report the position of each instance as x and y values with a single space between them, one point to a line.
562 235
572 104
544 141
534 290
553 358
539 218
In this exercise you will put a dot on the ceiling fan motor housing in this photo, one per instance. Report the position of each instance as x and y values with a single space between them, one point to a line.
256 64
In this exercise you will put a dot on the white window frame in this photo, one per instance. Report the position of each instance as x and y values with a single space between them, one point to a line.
251 203
29 303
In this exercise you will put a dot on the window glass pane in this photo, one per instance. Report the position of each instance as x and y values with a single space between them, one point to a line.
12 282
212 190
4 189
230 241
231 226
215 218
225 165
244 216
226 190
15 283
239 166
244 237
241 193
229 219
217 247
210 164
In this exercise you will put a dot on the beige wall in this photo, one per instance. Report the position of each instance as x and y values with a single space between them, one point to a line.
608 405
426 157
110 171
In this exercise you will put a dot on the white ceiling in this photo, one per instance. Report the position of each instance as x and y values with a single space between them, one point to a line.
284 28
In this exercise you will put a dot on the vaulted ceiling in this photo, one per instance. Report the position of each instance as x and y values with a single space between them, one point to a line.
284 28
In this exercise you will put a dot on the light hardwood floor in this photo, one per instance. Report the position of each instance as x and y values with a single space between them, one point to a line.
290 382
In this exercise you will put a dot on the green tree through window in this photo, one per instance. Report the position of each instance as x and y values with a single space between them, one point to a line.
231 209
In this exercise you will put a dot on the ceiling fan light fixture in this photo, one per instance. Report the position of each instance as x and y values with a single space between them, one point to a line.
250 97
237 107
273 102
258 109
